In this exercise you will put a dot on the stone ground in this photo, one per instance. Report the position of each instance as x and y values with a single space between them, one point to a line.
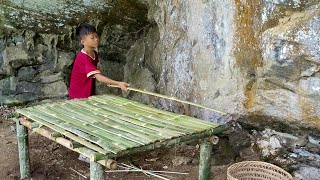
51 161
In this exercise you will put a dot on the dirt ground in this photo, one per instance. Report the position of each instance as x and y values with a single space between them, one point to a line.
52 161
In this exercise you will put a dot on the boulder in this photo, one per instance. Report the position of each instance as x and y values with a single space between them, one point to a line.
27 87
51 78
54 90
288 82
307 173
27 73
14 57
65 59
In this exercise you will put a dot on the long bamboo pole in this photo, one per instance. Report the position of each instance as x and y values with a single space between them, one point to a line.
171 98
151 110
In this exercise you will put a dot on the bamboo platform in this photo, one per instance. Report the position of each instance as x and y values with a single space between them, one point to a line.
106 126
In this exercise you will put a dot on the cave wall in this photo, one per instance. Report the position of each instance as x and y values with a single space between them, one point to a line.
257 59
38 45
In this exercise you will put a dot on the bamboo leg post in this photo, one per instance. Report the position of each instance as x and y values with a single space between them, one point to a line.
205 157
96 171
23 148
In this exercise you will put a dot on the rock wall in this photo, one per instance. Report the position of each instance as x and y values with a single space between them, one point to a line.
32 68
38 46
192 57
258 59
288 85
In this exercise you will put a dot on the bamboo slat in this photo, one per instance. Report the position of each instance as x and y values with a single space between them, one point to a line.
117 123
172 98
172 129
92 155
103 125
113 111
122 120
86 128
150 110
114 126
107 122
64 132
185 126
119 100
39 114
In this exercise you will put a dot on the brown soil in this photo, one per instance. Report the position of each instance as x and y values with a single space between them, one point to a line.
52 161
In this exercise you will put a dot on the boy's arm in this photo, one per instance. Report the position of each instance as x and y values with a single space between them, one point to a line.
104 79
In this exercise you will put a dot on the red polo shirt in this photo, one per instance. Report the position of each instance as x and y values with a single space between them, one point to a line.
82 82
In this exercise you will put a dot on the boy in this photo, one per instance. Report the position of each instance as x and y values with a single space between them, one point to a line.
85 71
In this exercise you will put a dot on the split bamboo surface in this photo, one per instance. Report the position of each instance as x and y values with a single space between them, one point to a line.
112 126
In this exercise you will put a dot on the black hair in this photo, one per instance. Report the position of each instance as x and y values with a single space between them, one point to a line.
84 29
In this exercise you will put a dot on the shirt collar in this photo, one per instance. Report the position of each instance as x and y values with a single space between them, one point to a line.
93 58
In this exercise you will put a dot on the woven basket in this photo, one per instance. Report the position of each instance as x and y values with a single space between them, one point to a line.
256 170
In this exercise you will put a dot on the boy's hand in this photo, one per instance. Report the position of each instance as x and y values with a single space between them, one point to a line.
123 86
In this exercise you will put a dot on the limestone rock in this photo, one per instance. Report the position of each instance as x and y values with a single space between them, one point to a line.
8 85
10 100
288 83
50 78
38 52
27 87
54 90
64 60
14 57
192 55
269 143
135 73
307 173
27 73
53 85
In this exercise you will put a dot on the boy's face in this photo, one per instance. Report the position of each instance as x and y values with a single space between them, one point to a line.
91 40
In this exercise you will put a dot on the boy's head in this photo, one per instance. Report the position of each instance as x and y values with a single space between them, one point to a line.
87 35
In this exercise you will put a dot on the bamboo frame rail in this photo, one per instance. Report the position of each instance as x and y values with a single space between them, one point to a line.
106 126
72 145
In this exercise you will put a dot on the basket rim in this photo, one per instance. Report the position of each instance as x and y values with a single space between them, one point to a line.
261 163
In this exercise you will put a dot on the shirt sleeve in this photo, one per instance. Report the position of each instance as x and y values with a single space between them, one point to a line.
90 68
